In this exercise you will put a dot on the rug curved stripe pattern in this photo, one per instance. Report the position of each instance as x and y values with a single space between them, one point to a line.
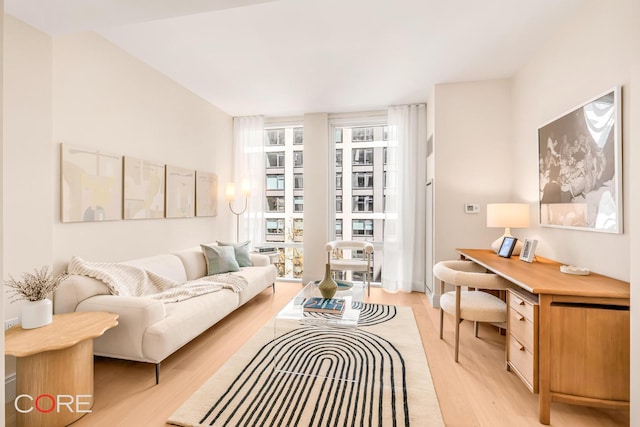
322 376
370 314
319 377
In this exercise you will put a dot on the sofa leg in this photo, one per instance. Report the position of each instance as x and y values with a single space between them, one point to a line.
273 287
157 373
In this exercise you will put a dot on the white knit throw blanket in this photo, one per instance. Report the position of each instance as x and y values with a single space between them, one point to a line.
127 280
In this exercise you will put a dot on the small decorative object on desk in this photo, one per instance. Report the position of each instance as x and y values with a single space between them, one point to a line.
35 288
571 269
324 305
328 286
528 250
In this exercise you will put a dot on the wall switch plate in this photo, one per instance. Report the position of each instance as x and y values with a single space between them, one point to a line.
10 323
471 208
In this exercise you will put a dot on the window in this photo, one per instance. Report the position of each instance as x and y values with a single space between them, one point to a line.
274 137
298 228
275 204
298 136
384 155
362 180
275 159
339 228
339 181
363 156
338 135
338 158
362 227
339 204
385 133
274 230
275 182
284 148
362 203
362 134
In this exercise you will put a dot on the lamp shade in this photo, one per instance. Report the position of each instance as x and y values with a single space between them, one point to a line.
230 192
508 215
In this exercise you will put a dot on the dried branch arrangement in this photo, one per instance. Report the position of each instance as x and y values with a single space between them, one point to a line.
34 286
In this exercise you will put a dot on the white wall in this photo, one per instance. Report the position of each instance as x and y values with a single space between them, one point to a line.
577 64
472 151
316 194
1 201
104 98
634 219
28 165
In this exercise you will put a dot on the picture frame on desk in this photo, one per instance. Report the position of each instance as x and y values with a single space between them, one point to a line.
507 246
528 252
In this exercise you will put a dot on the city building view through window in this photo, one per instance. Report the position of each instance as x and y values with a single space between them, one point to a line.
284 198
360 190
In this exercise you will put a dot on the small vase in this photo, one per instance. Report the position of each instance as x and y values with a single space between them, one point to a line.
328 286
37 313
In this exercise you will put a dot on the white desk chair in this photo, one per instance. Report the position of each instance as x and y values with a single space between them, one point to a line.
358 264
476 305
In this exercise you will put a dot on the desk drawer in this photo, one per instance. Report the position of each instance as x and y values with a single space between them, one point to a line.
521 360
522 329
521 305
522 337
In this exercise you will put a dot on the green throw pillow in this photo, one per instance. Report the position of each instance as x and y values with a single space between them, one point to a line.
241 251
220 259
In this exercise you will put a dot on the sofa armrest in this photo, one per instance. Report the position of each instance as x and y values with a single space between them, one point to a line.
136 314
259 260
75 289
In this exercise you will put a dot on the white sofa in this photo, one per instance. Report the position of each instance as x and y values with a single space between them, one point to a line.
149 330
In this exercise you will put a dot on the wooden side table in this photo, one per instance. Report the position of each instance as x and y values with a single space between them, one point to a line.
54 367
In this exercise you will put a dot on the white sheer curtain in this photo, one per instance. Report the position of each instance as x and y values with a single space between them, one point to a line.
404 229
249 163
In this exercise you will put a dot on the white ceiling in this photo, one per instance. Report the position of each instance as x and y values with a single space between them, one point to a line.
289 57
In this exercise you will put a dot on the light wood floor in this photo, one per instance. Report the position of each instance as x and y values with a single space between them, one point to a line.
476 392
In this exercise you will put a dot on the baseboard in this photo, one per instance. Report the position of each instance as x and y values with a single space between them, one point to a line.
10 388
434 300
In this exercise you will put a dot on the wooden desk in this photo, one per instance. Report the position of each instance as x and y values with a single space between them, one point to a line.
583 331
56 360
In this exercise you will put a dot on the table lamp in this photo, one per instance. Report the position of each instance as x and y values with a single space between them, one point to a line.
230 196
507 215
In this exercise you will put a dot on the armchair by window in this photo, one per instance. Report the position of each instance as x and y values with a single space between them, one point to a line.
338 263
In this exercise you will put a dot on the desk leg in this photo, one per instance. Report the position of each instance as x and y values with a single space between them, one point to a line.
544 359
58 375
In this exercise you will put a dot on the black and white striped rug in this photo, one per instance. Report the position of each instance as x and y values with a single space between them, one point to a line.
373 375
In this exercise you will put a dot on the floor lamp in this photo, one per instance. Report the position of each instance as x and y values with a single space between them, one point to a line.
230 195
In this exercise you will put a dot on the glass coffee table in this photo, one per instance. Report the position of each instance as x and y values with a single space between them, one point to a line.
313 336
352 293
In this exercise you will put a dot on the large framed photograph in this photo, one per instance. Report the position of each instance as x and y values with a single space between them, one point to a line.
580 167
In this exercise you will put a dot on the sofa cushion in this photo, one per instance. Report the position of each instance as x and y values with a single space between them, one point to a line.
195 264
242 252
220 259
167 265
